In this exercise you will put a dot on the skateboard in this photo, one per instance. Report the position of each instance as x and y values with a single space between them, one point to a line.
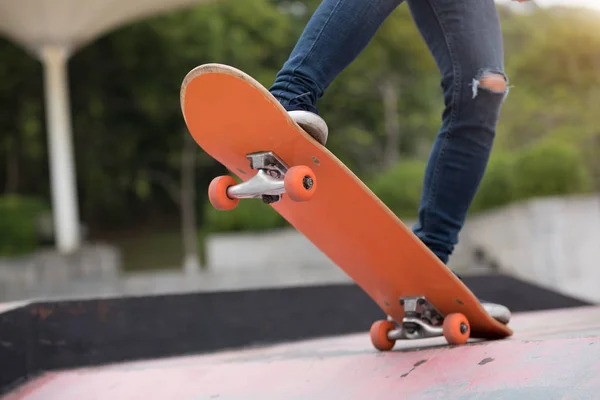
234 119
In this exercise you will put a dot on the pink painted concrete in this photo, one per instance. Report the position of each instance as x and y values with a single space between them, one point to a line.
553 355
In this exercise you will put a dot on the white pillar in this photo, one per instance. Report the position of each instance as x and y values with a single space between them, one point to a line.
62 169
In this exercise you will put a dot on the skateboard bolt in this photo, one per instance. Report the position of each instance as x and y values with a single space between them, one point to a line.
463 328
307 182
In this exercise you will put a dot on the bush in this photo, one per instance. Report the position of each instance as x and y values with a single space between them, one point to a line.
498 184
550 168
400 187
546 169
18 217
249 215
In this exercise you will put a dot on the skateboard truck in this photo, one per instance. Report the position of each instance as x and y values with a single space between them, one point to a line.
273 178
267 183
421 320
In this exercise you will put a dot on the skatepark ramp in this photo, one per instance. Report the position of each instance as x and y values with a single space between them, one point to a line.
306 342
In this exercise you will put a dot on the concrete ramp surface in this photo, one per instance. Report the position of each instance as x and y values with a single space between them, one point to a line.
553 355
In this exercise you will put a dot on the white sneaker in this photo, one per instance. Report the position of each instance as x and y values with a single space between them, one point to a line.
497 311
312 123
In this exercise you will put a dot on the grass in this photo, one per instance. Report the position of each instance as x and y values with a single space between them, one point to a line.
153 250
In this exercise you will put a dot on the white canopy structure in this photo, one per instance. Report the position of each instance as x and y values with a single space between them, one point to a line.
52 30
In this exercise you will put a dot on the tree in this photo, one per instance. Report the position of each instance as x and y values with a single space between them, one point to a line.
385 98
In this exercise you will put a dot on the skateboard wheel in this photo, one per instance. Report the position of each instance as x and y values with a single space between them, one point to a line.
456 329
379 335
217 193
300 183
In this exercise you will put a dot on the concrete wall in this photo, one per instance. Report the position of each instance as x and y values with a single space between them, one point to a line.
554 242
47 270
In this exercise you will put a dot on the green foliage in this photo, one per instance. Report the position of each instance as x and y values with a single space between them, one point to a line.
18 223
546 168
249 215
498 184
128 127
552 62
550 168
354 103
400 187
154 250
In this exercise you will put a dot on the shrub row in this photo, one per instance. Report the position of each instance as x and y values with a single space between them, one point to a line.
18 223
546 168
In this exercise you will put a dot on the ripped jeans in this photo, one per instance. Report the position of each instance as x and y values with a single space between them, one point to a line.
465 40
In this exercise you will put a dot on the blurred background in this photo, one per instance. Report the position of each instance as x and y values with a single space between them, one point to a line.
103 192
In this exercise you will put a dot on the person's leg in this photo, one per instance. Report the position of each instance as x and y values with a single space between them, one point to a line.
466 41
335 35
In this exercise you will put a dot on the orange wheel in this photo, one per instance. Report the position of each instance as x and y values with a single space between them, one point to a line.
217 193
300 183
456 329
379 335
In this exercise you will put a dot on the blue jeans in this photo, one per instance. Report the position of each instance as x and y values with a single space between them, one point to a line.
465 40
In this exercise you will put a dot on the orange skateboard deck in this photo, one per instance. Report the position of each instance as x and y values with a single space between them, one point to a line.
241 125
